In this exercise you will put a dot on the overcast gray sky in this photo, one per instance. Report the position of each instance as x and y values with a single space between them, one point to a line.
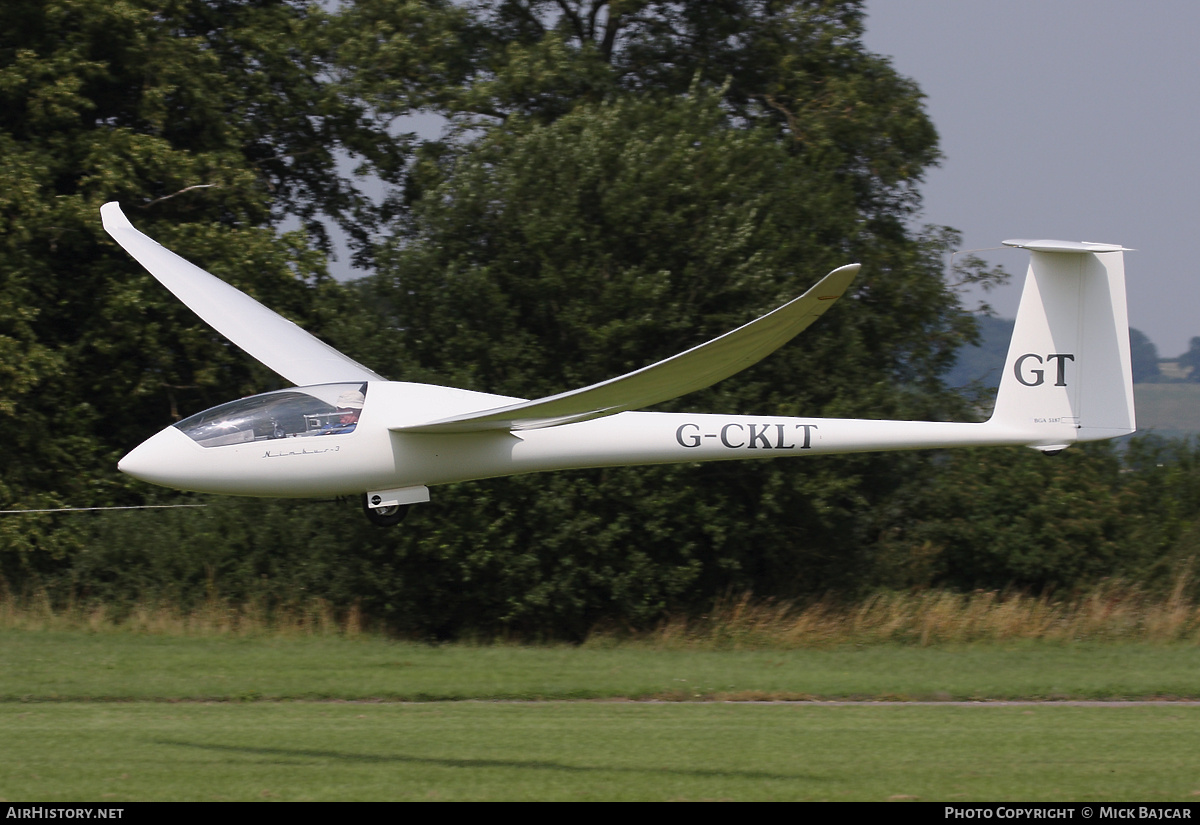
1067 119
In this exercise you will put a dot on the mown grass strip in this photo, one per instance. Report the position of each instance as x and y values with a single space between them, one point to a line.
77 666
589 751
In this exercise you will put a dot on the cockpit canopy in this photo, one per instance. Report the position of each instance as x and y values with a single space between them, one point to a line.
301 412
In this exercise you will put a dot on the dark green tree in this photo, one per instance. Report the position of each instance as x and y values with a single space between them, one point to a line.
596 227
213 123
616 181
1015 518
797 66
1190 360
1145 357
983 362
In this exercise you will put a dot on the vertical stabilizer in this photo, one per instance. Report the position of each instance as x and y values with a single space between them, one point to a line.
1068 374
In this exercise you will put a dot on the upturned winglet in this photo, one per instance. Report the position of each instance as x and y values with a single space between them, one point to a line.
694 369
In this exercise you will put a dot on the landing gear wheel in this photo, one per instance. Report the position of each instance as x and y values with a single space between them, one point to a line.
387 516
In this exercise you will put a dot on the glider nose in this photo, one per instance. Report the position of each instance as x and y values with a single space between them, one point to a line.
161 459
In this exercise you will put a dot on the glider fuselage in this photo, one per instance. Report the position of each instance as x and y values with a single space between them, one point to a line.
372 456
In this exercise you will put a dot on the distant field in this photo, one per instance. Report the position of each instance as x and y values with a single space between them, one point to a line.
1169 410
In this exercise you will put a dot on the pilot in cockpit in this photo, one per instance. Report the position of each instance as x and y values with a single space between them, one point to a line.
349 407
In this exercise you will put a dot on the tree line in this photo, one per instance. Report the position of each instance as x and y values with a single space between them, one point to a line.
614 182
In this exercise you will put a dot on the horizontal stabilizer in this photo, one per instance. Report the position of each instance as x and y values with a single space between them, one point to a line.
266 336
1065 246
695 369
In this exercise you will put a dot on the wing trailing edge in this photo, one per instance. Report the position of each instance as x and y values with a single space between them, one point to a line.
692 370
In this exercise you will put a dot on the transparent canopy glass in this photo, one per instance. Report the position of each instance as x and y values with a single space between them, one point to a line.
326 409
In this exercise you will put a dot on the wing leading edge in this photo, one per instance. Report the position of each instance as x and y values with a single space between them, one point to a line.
266 336
303 359
694 369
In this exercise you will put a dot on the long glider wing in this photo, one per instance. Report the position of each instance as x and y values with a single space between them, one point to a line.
264 335
694 369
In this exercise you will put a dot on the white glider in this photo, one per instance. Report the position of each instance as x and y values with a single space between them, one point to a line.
344 430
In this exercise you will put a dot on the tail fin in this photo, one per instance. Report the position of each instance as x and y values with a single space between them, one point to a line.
1068 374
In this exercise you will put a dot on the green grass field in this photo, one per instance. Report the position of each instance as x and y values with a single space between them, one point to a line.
39 666
594 751
122 716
